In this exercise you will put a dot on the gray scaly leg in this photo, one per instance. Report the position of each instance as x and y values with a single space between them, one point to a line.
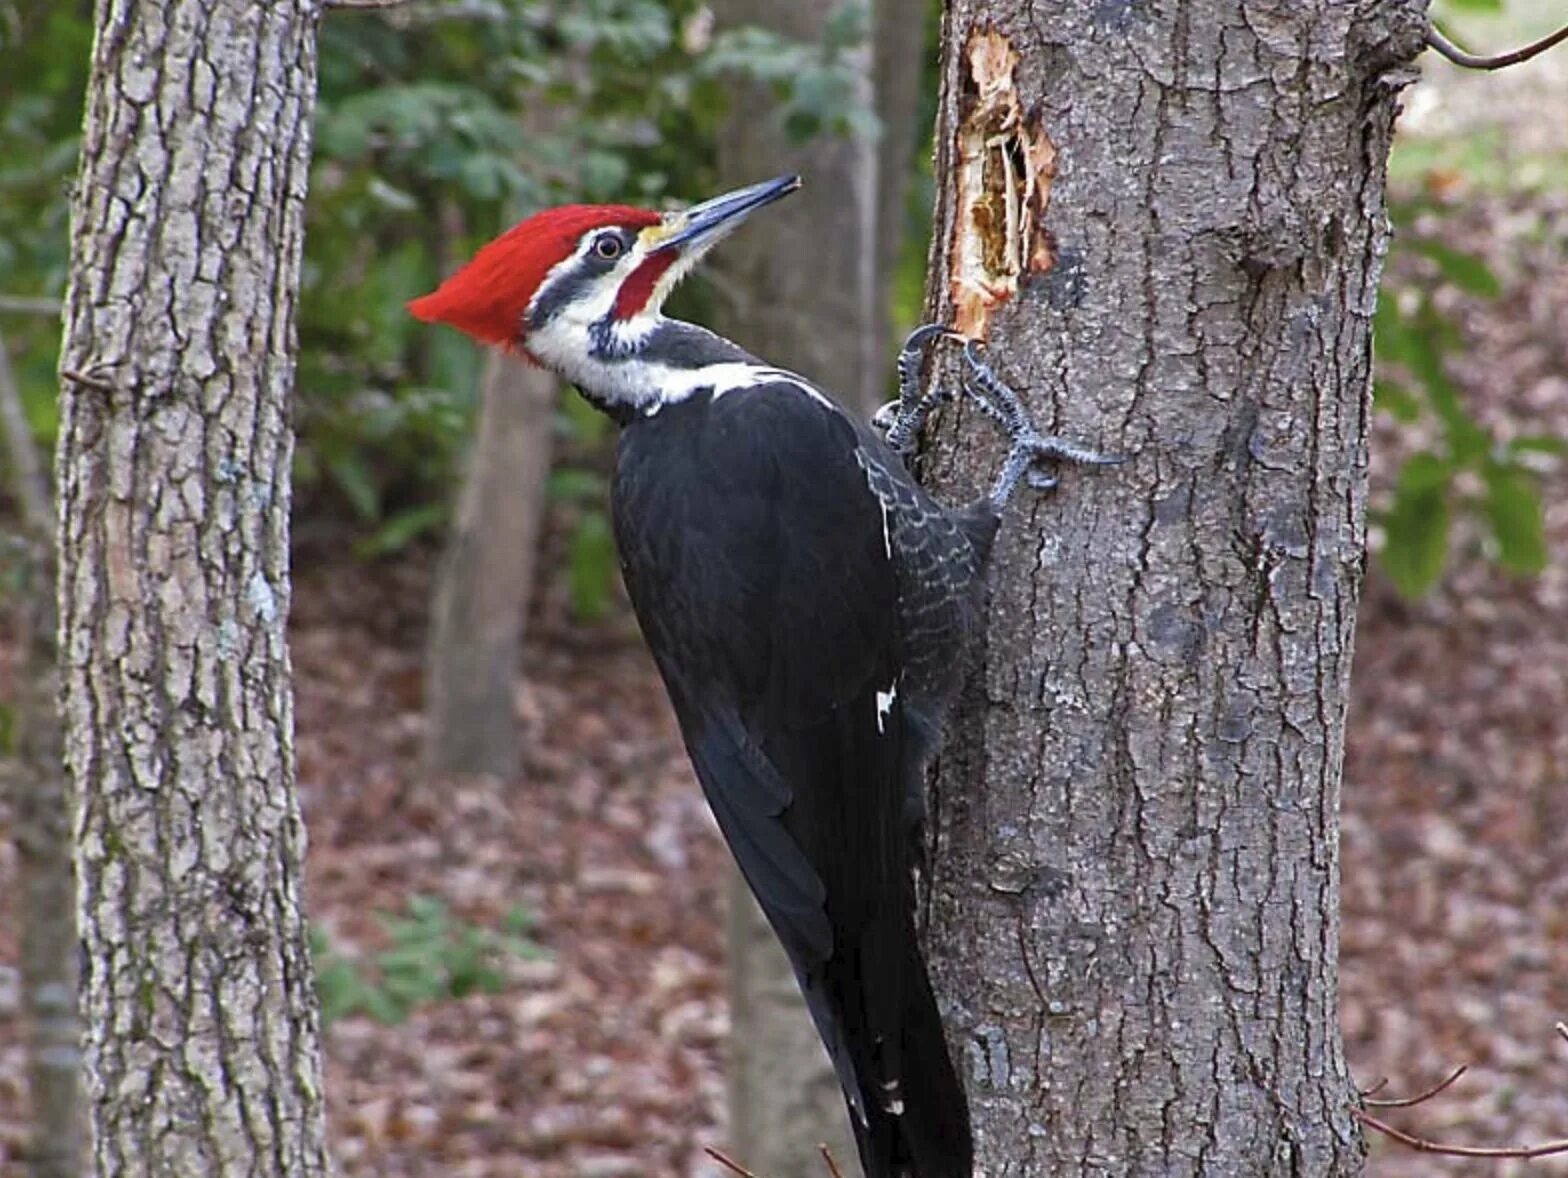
1030 447
901 420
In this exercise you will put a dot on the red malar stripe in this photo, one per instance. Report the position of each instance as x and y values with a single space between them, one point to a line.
638 288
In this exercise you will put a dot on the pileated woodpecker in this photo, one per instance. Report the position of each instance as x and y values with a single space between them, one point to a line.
807 604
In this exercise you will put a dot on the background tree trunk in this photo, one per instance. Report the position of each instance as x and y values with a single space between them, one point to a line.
1135 889
35 781
803 291
202 1039
806 287
481 600
898 76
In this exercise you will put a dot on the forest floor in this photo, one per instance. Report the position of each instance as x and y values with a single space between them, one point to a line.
605 1058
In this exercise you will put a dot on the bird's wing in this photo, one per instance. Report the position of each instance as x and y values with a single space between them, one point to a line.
759 565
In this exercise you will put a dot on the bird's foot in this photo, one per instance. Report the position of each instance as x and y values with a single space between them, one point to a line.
900 420
1031 450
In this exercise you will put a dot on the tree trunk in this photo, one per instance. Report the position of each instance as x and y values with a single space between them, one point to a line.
1169 220
36 782
202 1038
481 601
802 286
898 32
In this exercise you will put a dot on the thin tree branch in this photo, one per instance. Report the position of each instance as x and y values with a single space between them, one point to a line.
827 1156
727 1162
1424 1145
26 305
32 490
88 381
1377 1086
1497 61
365 4
1412 1101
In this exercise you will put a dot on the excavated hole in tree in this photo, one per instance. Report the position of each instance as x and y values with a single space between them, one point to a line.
1006 163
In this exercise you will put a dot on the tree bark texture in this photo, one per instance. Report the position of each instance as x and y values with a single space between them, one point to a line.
202 1038
1168 219
481 600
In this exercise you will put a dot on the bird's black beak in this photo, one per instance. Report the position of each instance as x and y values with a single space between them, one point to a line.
704 224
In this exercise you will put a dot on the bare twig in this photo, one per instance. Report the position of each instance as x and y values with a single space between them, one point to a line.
27 469
368 4
1424 1145
827 1156
1377 1086
727 1162
26 305
1497 61
1412 1101
96 383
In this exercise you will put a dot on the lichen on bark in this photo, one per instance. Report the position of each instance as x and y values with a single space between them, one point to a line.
202 1043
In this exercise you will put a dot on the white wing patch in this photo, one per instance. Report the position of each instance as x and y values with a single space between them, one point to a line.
885 704
887 530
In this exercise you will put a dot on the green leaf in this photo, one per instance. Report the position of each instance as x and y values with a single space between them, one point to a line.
591 569
1392 339
1417 524
399 529
1398 401
1513 508
358 485
580 421
1466 439
1468 272
1538 444
573 485
1475 5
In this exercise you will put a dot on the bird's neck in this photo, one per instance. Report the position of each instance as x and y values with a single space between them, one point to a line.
638 373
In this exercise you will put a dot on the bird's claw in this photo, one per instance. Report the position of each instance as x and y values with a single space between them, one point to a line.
900 420
1030 448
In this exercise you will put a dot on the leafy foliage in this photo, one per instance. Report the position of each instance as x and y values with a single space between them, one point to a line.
432 957
1470 472
436 125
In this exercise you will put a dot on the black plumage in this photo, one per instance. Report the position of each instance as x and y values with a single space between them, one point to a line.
808 604
765 540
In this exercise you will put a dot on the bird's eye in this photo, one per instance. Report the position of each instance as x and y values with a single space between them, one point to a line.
608 247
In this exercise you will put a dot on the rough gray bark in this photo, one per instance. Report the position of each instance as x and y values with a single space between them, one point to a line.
481 600
202 1038
35 782
1133 905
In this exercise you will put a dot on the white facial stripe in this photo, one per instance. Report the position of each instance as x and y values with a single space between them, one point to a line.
602 289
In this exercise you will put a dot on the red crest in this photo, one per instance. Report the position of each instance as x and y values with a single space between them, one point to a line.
487 298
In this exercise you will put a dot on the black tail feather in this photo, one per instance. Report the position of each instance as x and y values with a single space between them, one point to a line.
916 1114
